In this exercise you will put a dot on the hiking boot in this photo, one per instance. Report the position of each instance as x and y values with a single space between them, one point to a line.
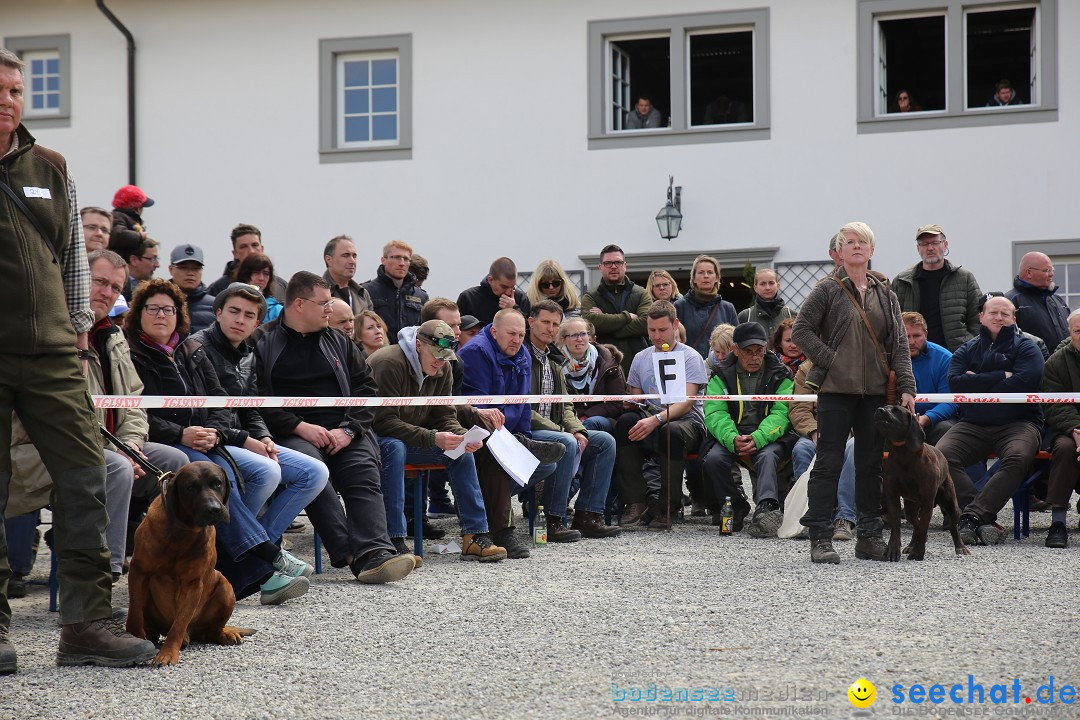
439 509
545 452
382 567
479 547
766 519
104 643
991 534
430 531
8 663
16 586
660 522
632 513
869 546
821 551
403 549
968 527
558 532
843 530
286 564
591 525
508 540
1058 537
698 509
281 587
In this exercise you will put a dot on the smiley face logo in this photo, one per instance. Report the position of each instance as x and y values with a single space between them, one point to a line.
862 693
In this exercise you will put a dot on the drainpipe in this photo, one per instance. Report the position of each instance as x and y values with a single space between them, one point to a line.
130 86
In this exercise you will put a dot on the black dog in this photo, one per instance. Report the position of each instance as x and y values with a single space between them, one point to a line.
920 474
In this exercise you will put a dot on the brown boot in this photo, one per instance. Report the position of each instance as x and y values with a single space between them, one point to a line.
558 532
479 547
102 642
591 525
632 513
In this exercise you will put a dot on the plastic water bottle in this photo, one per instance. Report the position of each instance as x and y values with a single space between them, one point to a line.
727 514
540 528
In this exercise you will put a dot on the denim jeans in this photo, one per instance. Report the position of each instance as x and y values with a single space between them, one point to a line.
463 483
804 452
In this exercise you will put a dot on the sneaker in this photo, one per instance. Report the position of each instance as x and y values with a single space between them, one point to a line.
286 564
403 549
766 519
870 546
438 509
430 531
281 587
1058 537
8 663
992 534
821 551
104 643
383 567
558 532
295 527
843 530
479 547
16 586
968 527
508 540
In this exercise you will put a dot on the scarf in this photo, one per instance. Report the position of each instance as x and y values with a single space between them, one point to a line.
792 363
706 296
547 380
168 348
769 306
581 374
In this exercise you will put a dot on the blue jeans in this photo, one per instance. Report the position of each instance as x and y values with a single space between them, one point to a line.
597 463
804 452
463 482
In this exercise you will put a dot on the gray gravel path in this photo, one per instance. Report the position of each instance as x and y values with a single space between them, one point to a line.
552 635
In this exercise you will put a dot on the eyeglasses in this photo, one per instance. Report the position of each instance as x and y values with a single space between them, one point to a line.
399 258
545 284
1048 271
613 263
166 310
97 228
104 283
325 305
153 259
577 336
930 243
444 342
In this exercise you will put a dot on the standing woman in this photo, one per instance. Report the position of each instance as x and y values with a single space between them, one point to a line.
661 286
850 327
702 309
550 282
258 270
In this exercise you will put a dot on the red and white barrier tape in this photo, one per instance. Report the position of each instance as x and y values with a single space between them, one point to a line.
217 401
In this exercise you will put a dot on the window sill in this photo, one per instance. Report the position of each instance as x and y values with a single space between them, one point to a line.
662 137
974 117
372 154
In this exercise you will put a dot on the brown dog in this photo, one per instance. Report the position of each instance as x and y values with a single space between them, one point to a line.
918 473
173 587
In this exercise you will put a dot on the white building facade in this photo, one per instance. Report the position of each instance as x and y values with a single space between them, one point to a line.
478 128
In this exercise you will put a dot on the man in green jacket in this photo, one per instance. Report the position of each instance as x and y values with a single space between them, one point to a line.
1062 374
946 295
617 307
757 435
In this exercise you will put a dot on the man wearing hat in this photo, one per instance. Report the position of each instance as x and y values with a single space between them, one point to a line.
470 328
946 295
757 435
127 222
186 268
418 365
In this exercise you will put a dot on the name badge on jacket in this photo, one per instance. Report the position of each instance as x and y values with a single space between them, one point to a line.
36 192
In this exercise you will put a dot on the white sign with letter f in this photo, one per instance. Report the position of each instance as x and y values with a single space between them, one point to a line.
669 369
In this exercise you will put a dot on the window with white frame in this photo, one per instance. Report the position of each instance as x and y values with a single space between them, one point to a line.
366 98
956 62
679 79
46 78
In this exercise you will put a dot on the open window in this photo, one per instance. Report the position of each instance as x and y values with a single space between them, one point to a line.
640 83
1002 47
911 64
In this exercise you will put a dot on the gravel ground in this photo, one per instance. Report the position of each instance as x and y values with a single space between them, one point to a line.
554 635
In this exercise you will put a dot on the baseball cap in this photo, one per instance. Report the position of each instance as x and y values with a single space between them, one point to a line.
186 253
244 290
749 333
130 197
440 337
468 322
931 229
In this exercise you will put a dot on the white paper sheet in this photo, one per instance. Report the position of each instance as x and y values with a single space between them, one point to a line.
512 455
474 434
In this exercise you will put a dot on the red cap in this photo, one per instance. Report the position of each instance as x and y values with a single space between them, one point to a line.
130 197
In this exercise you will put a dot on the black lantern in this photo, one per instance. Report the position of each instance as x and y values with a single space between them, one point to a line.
669 219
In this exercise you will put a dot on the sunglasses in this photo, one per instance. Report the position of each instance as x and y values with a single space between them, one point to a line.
443 342
545 284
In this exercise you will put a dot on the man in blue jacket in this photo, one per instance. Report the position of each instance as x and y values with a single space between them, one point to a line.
930 365
1000 360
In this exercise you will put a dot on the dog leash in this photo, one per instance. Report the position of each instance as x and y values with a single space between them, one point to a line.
162 476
